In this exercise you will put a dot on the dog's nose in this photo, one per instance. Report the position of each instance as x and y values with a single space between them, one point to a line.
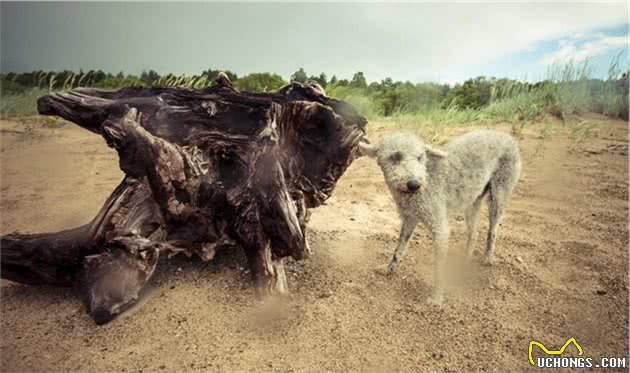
413 185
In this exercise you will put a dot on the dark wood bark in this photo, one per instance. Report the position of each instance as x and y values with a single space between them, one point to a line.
204 169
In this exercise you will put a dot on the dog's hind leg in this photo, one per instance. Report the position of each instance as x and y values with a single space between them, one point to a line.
501 187
406 231
471 216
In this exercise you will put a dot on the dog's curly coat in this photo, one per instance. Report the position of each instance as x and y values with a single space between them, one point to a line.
429 185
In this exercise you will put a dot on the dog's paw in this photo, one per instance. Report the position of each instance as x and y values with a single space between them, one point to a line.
472 254
436 300
384 270
489 261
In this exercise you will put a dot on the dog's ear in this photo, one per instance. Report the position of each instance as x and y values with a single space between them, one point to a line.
436 152
368 149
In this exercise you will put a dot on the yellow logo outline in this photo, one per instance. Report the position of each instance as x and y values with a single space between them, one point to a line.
553 352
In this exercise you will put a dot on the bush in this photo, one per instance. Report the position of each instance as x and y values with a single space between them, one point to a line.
24 103
8 87
569 90
260 82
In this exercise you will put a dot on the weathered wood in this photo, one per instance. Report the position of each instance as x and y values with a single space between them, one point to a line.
204 169
112 279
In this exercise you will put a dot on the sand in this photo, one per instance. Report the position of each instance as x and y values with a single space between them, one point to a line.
561 272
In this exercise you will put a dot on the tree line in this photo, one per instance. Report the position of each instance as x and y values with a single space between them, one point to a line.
385 97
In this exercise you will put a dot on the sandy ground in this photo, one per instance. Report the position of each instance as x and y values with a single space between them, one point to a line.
562 272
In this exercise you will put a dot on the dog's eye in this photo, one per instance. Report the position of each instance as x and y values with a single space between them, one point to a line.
396 157
420 158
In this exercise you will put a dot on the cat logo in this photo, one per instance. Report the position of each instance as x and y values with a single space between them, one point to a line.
553 352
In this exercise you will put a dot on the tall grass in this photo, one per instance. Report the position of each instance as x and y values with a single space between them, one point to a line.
566 92
432 124
194 81
524 106
571 87
569 91
614 97
24 103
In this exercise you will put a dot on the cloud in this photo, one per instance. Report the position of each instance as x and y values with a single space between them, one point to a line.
462 36
584 47
406 41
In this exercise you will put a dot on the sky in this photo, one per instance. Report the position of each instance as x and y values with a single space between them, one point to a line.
442 42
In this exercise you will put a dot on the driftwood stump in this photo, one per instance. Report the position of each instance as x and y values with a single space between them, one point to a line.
205 169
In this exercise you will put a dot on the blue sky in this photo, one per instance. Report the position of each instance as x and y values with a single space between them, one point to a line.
600 46
446 42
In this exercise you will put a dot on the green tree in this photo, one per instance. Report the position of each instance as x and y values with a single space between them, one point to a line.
98 76
358 81
387 83
260 82
473 94
299 76
321 79
149 77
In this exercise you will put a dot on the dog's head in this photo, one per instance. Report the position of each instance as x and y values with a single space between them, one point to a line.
403 157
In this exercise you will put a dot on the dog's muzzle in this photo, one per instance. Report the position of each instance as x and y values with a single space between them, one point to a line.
412 186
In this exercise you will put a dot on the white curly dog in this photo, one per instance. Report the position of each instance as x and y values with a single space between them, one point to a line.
430 184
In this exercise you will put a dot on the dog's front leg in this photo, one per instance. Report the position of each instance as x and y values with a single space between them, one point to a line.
440 233
406 231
